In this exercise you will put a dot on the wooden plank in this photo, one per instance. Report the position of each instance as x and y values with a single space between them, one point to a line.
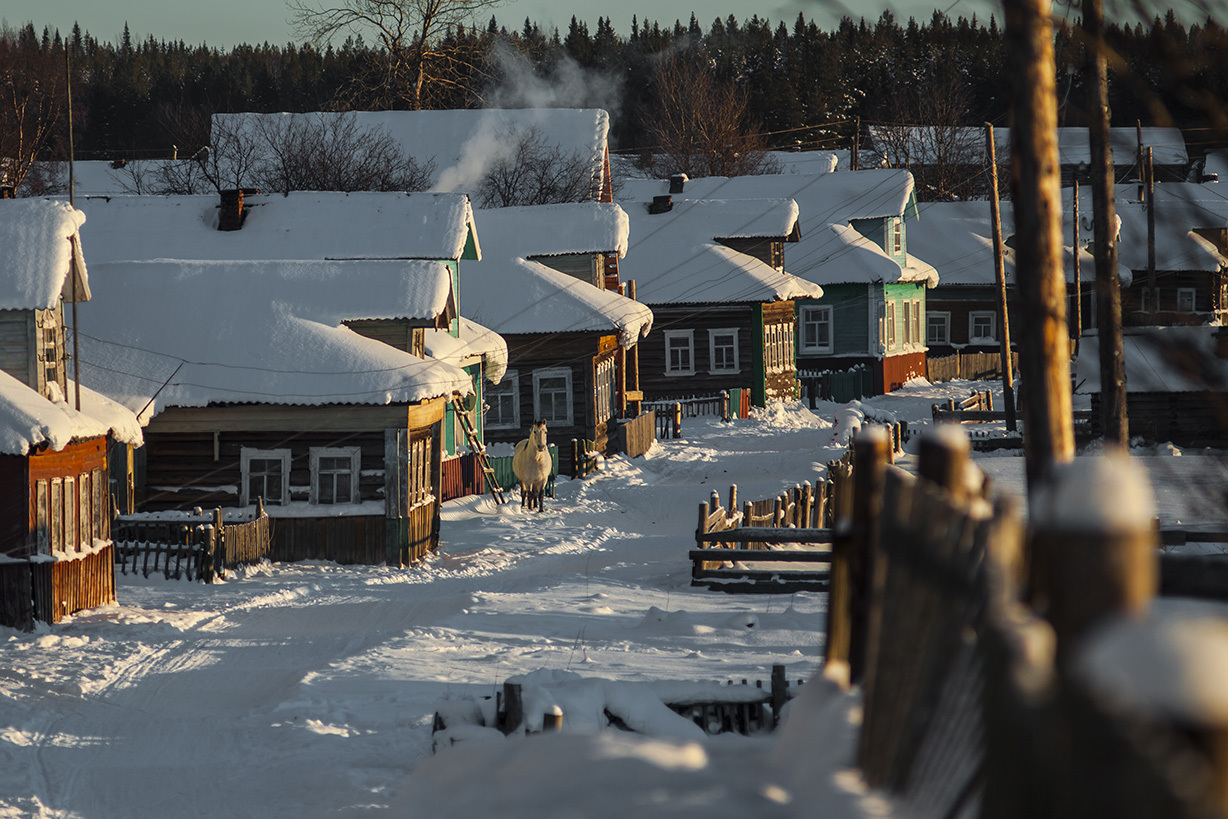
757 556
769 534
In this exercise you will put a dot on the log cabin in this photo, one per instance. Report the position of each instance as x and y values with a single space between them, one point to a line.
852 245
713 272
544 284
253 385
57 556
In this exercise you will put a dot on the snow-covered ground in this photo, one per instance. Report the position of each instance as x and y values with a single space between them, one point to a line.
308 689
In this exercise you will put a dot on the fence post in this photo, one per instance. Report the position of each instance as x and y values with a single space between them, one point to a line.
678 419
219 530
725 406
779 686
513 708
733 500
942 459
1094 547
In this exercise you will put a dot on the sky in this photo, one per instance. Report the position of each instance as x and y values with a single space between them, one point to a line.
225 23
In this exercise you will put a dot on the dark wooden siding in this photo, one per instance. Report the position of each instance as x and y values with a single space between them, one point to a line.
16 333
400 333
1188 419
1206 285
656 383
15 489
587 267
768 251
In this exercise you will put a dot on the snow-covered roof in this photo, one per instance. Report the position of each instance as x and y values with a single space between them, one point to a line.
514 295
862 261
812 162
39 244
922 144
195 333
28 419
309 225
675 258
955 238
1159 359
550 230
475 341
1177 247
461 144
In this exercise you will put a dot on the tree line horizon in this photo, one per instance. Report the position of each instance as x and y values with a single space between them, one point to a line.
803 87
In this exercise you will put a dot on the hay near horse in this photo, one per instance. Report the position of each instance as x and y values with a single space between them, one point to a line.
531 463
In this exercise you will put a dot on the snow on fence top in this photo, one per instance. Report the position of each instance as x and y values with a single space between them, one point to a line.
37 242
475 340
675 257
27 419
515 295
193 333
309 225
463 144
1159 359
1096 494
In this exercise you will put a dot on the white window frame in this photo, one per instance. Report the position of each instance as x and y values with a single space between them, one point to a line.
944 318
973 316
897 236
247 455
891 334
510 382
689 337
918 325
605 390
1183 293
810 315
355 456
908 339
737 359
553 372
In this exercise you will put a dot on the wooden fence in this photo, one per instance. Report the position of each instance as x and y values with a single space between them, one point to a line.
506 475
195 547
637 435
970 704
968 366
835 385
462 476
48 590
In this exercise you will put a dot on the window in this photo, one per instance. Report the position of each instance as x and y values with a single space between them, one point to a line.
605 389
266 474
816 329
418 468
503 402
908 324
890 325
43 519
334 474
679 352
897 237
1185 300
723 350
982 326
552 395
938 328
917 338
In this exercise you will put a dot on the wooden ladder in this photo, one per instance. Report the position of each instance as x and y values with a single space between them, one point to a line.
479 450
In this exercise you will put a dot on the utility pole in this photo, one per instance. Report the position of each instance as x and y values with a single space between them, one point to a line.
1044 349
1078 279
999 270
72 201
1113 418
1154 299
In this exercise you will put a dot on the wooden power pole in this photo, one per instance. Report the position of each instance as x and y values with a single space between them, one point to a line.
999 270
1040 279
1078 280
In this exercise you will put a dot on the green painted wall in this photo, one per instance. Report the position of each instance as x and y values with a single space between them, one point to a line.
850 318
453 435
897 294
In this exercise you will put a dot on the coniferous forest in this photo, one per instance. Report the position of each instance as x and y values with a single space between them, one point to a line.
803 86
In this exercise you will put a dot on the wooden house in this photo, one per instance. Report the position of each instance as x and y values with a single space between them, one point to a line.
962 309
459 147
55 528
1176 384
573 345
1191 256
252 385
713 273
853 244
311 226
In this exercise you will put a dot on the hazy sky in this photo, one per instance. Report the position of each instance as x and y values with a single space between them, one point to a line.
229 22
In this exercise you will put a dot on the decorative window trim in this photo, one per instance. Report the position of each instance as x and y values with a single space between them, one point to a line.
807 317
973 337
1183 293
352 452
510 382
891 334
943 317
553 372
897 236
737 358
689 336
918 325
605 389
247 455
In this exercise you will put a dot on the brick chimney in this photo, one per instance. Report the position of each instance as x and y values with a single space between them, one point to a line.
661 204
677 182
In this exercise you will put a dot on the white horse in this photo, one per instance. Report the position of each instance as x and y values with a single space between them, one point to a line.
531 463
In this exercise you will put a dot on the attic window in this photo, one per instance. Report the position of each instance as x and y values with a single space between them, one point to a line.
897 236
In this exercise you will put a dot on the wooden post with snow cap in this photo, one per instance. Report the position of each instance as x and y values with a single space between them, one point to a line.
1166 670
1094 549
552 720
861 543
